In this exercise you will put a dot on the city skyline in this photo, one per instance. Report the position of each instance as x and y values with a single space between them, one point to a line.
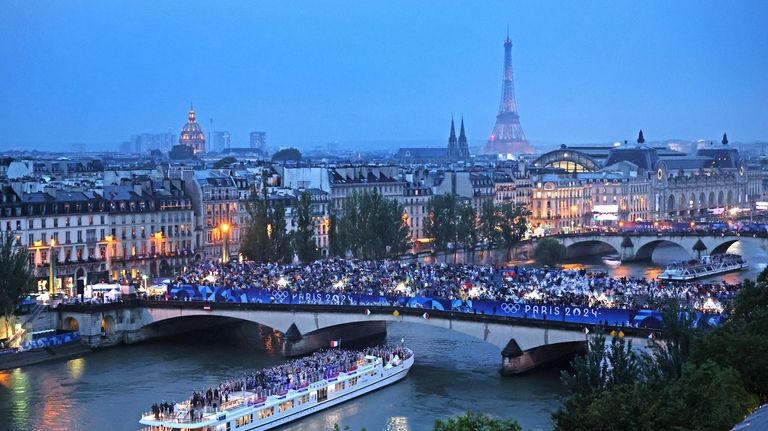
681 71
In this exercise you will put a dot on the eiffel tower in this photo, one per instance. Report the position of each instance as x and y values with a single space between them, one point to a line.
507 136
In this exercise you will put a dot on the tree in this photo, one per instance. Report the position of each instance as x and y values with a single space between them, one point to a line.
440 221
224 163
337 245
16 279
266 238
304 237
181 152
549 251
471 421
489 226
466 227
513 224
287 155
371 227
277 230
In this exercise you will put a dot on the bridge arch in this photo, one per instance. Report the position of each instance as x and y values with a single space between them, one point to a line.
71 324
572 250
108 325
645 252
724 246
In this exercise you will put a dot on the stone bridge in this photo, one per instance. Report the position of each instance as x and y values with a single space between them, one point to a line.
632 246
525 343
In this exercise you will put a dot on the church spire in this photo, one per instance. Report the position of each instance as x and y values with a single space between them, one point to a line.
463 148
453 149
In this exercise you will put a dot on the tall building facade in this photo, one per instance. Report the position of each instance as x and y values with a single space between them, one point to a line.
192 135
259 141
220 140
507 136
145 142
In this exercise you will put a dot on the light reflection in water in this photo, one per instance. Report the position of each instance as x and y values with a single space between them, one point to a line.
397 423
76 367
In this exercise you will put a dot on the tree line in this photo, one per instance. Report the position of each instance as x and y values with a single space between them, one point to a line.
453 223
372 226
692 379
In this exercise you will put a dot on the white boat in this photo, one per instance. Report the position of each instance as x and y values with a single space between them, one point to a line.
244 411
707 266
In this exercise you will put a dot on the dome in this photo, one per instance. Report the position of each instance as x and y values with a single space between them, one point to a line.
192 134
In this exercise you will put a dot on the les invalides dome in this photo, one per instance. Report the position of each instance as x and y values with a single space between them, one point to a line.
192 135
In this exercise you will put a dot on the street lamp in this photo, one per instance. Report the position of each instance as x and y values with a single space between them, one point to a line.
225 243
51 267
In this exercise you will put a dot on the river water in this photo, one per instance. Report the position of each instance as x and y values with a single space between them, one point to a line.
109 389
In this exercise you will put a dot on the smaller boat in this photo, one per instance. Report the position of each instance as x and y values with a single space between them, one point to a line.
707 266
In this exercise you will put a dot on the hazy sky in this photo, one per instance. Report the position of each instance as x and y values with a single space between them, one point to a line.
313 71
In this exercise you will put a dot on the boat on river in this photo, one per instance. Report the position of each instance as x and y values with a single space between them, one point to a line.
246 410
707 266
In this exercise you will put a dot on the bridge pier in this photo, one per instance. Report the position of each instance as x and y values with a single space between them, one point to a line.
515 361
296 344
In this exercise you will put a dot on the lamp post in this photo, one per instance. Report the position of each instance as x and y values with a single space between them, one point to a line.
52 268
225 243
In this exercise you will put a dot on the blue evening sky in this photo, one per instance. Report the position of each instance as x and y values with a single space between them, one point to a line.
367 73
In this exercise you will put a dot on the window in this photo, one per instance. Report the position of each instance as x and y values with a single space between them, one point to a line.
265 413
286 405
243 420
304 399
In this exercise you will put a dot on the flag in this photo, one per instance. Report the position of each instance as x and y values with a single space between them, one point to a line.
395 313
335 343
425 315
367 312
586 330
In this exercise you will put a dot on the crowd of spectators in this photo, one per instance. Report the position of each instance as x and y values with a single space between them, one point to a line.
461 281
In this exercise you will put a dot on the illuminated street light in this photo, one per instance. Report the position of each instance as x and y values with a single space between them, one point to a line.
225 242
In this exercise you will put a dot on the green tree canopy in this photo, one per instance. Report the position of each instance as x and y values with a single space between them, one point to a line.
549 251
370 226
472 421
286 155
304 238
16 279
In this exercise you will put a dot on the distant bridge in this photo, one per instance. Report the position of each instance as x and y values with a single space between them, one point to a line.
525 343
640 246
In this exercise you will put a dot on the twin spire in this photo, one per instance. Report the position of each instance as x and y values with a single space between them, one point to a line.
458 148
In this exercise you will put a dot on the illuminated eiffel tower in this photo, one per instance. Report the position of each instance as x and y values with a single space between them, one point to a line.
507 136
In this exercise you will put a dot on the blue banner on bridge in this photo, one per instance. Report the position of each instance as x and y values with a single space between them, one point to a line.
522 310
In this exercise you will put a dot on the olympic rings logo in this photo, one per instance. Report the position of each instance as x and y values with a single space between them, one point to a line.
510 308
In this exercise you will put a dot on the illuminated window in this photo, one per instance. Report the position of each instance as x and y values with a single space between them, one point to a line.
265 413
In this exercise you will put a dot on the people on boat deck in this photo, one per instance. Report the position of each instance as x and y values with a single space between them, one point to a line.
456 281
278 380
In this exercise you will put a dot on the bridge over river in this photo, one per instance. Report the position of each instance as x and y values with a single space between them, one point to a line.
529 335
640 246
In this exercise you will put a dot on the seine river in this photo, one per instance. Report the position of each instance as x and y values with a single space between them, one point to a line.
109 389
